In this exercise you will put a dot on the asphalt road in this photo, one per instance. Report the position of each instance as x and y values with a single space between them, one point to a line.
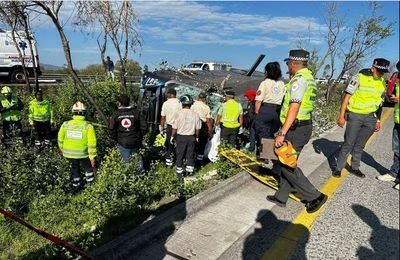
359 221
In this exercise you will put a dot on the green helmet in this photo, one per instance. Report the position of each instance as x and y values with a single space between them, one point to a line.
186 100
6 90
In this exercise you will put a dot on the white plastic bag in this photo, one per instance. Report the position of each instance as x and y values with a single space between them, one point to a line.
211 150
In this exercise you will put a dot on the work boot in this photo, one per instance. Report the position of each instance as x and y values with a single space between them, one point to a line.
357 173
337 174
316 204
279 203
386 177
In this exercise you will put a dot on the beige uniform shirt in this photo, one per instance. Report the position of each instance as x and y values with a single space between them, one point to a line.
169 109
271 91
187 122
202 109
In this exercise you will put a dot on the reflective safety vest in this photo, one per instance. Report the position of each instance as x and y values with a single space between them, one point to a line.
368 96
40 111
12 114
308 102
396 106
77 139
231 111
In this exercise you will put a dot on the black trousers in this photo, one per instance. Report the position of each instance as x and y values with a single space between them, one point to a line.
203 138
42 130
229 135
185 145
81 167
267 121
169 148
12 129
294 179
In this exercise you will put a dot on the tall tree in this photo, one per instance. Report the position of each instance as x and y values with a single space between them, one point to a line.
52 10
10 12
118 21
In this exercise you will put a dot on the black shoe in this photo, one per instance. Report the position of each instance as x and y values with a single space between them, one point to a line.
357 173
337 174
279 203
316 204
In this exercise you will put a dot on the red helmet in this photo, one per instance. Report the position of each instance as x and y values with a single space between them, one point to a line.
250 94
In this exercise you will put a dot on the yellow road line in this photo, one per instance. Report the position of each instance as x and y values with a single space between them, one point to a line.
303 223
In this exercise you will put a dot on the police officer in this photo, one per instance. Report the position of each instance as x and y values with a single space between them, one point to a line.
125 128
393 92
169 109
11 115
203 110
296 127
186 127
230 115
269 98
361 108
77 141
41 118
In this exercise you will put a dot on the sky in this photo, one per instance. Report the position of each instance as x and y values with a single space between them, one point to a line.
234 32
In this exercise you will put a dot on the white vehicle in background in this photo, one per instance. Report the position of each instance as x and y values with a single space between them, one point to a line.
207 65
10 61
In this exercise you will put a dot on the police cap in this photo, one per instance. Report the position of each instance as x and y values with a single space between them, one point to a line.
300 55
381 64
230 93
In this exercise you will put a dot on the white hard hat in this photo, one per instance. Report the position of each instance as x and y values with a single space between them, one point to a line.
6 90
78 107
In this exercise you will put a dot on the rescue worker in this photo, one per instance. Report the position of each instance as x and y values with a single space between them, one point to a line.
125 128
230 115
248 117
269 98
186 127
11 115
77 141
361 108
295 116
204 112
41 118
394 94
169 109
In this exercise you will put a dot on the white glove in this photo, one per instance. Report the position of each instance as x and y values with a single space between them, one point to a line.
172 140
197 139
241 130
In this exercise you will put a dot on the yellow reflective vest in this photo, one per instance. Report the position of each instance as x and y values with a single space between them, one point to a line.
40 111
368 96
231 111
308 102
77 139
13 114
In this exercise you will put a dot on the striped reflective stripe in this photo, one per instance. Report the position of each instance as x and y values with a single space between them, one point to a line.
72 153
189 168
179 169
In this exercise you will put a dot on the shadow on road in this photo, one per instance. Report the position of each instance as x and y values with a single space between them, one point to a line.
370 161
384 241
263 238
329 149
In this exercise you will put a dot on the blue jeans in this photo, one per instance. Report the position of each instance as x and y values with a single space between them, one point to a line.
127 152
395 168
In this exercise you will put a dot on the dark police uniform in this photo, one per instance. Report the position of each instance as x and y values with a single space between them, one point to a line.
301 89
362 113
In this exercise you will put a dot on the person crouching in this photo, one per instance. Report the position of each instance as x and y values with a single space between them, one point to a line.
186 128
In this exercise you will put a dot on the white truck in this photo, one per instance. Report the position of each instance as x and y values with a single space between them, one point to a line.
10 60
208 65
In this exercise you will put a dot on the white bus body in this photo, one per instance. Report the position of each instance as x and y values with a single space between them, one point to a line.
10 61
